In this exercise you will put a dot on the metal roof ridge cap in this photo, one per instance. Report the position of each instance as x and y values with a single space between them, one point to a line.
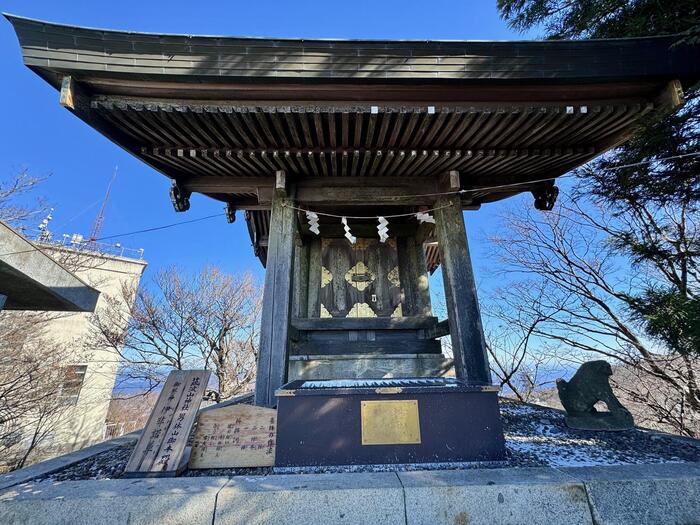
12 17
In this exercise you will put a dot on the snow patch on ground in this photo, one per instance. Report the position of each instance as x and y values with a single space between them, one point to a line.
541 434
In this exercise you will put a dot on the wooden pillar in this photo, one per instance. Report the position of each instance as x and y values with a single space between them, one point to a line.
468 345
274 322
300 277
422 288
408 299
414 276
314 281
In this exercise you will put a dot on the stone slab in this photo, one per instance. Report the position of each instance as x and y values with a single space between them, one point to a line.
639 494
634 472
109 502
518 496
645 502
642 494
309 499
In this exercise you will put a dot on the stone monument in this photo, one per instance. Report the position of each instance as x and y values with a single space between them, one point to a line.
579 395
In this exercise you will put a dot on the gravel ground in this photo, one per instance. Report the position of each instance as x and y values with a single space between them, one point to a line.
535 437
541 434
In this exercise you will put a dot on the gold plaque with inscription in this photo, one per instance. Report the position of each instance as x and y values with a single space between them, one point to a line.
393 422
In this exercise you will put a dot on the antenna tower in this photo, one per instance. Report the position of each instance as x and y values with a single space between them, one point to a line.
97 226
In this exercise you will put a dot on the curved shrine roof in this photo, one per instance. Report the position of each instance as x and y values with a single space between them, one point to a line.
363 120
63 48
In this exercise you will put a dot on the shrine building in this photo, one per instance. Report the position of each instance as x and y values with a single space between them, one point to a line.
316 140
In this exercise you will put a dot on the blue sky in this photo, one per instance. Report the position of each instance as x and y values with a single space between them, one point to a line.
39 135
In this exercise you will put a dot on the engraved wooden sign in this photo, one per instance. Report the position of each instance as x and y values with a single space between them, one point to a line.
234 436
162 446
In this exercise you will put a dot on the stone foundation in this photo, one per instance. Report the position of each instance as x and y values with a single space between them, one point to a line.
368 366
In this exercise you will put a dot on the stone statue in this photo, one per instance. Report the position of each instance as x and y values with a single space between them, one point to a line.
589 385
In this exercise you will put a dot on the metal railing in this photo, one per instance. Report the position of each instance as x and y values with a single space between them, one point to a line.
78 243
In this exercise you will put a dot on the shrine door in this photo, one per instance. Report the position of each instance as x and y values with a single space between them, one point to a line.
361 279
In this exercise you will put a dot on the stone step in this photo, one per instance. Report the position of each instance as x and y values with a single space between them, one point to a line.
368 366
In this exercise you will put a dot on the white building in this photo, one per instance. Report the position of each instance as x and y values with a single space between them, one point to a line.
89 372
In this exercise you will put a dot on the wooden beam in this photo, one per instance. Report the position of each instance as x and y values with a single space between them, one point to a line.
280 183
212 184
365 194
348 190
408 345
67 96
417 322
441 329
329 98
242 204
360 230
227 184
277 297
468 345
672 96
455 183
265 194
444 155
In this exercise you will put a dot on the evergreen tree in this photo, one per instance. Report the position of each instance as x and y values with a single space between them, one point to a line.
603 18
655 201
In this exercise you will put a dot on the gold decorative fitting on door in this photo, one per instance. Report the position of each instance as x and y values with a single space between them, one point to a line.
326 276
361 310
325 313
393 277
360 276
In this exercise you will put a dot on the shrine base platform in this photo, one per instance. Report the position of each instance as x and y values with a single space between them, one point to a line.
387 421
